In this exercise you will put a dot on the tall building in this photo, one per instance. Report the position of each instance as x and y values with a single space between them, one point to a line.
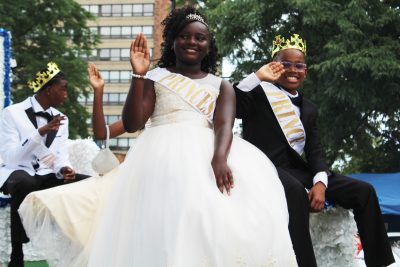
117 23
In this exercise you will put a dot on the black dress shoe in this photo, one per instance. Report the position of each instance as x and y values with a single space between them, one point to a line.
17 256
14 263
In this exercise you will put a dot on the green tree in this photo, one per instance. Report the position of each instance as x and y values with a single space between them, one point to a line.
353 54
50 30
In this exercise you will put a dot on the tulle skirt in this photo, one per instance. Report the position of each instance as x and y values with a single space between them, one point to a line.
162 207
61 221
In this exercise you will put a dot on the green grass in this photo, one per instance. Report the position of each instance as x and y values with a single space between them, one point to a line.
36 264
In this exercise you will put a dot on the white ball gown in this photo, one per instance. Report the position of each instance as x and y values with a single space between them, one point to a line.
164 208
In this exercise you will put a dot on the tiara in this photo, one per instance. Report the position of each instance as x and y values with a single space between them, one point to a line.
197 17
295 41
43 77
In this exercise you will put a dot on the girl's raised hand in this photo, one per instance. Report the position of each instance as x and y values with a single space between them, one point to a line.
95 79
140 56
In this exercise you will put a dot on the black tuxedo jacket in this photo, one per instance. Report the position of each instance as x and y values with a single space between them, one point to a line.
261 128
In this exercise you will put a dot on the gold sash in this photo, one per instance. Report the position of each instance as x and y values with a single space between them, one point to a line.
289 122
190 91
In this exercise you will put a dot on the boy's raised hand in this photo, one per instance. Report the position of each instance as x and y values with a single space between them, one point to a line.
140 56
270 72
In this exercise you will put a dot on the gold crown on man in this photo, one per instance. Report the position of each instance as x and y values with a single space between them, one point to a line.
295 41
43 77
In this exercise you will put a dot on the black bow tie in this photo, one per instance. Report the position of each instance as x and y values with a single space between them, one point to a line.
296 100
45 115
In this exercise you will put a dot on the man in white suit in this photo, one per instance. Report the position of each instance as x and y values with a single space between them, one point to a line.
33 147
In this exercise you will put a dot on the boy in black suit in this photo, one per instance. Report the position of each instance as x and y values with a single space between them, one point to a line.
282 123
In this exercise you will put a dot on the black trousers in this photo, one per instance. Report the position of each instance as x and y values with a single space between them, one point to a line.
19 184
346 192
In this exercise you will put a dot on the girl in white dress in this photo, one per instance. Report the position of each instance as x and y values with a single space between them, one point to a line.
188 193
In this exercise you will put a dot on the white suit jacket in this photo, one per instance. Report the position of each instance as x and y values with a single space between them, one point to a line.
22 147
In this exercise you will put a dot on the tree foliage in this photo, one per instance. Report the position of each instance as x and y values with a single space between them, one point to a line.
353 54
50 30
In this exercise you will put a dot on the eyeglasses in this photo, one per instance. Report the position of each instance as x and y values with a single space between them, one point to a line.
298 66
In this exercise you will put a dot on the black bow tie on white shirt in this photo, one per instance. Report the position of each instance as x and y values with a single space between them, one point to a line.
296 100
45 115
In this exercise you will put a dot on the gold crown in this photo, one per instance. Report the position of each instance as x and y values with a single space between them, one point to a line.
43 77
295 41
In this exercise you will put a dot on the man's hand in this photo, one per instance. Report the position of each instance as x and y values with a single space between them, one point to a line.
53 125
316 197
270 72
68 174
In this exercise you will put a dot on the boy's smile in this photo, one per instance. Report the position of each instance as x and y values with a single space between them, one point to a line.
294 74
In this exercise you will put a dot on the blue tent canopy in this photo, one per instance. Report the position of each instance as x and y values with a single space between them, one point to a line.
387 187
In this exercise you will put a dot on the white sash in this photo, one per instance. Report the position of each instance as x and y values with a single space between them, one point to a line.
190 91
289 122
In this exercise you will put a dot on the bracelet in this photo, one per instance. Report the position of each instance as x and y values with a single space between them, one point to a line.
138 76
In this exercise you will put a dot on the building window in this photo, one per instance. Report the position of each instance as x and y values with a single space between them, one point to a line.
147 30
93 54
94 30
137 10
104 54
127 10
105 11
148 10
105 75
113 143
125 53
86 100
115 54
109 99
94 9
114 98
118 10
110 54
116 31
124 32
111 118
122 143
125 76
122 97
116 76
105 31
